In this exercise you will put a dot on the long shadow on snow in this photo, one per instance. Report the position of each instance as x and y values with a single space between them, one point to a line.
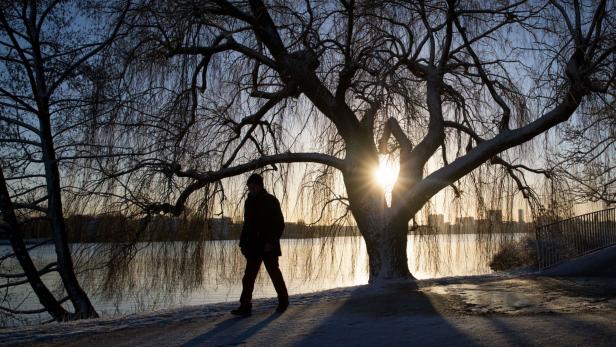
390 314
227 326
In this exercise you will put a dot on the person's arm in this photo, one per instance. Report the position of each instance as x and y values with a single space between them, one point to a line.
278 220
244 233
275 223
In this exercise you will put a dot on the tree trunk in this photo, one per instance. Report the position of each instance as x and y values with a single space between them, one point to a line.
385 234
46 298
386 245
80 300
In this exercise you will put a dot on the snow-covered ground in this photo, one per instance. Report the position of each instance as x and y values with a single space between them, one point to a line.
484 310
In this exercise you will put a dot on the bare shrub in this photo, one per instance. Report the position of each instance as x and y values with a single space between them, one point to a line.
515 254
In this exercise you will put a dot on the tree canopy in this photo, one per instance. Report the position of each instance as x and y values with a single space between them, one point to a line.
146 107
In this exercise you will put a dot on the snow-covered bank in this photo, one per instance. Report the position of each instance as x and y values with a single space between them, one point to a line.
52 331
485 310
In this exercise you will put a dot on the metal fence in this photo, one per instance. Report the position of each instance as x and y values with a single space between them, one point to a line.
573 237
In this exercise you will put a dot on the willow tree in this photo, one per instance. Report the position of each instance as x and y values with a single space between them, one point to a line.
585 160
443 87
50 66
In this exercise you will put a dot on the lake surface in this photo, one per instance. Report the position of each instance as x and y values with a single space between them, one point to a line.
154 276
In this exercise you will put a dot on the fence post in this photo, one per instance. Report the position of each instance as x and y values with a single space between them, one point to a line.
576 236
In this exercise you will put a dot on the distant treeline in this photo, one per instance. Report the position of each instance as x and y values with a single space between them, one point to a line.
118 228
480 226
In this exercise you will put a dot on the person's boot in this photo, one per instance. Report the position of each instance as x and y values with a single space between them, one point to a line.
243 311
282 305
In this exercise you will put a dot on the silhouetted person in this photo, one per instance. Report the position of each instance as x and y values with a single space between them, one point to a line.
260 243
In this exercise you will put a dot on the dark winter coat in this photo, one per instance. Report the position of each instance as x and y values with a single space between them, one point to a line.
263 223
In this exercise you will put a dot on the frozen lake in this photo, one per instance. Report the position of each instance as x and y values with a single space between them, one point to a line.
173 274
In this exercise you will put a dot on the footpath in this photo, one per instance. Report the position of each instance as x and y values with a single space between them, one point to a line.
465 311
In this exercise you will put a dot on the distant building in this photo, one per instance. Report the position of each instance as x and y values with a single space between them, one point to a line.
521 216
466 224
221 227
465 221
437 221
495 216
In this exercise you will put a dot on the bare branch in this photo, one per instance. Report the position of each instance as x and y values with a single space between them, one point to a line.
487 149
393 128
202 179
504 124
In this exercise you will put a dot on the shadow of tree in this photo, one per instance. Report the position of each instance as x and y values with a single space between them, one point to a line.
227 325
393 314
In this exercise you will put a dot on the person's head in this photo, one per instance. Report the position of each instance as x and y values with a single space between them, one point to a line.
255 183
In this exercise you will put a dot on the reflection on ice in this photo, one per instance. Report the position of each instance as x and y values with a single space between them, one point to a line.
165 275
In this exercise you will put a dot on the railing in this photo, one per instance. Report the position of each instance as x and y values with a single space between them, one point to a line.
573 237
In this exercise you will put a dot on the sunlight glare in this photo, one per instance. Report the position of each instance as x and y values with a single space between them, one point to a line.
386 174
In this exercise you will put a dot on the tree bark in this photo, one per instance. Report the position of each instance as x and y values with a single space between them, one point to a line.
80 300
386 246
46 298
384 232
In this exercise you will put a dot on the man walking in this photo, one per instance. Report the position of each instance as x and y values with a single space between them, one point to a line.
260 243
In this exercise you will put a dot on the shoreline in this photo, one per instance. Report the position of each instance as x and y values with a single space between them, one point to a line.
6 242
469 302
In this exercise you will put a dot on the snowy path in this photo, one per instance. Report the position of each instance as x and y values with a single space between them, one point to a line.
464 312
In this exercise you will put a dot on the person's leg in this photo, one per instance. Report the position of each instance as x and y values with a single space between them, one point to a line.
248 281
273 269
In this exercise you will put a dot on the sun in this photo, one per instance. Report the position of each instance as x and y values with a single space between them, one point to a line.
386 174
